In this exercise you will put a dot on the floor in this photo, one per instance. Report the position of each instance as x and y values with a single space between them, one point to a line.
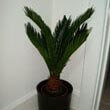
30 104
105 103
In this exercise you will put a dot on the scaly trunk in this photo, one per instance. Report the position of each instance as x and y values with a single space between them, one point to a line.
54 84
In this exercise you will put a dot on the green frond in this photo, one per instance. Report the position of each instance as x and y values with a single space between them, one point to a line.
46 32
59 27
38 41
76 42
60 34
80 20
77 27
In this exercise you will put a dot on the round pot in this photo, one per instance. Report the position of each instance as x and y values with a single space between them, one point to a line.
49 102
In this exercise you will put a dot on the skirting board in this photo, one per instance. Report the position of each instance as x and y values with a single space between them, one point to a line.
29 102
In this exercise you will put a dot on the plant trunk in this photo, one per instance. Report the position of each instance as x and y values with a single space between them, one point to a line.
54 84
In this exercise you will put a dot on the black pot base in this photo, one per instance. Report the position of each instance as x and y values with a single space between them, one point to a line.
48 101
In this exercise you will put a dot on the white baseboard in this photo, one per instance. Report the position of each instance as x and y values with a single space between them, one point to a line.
75 100
29 102
20 101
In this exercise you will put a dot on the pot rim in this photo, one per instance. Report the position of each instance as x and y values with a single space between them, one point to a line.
66 83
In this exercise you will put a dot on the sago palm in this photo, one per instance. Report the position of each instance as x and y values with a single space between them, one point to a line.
57 47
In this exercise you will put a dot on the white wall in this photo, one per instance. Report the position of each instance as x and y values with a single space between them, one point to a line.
94 54
21 66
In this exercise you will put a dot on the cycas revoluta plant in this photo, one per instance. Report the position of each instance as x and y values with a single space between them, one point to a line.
57 47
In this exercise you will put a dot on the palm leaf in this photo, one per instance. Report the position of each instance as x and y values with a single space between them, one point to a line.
72 38
38 41
76 42
46 32
80 20
60 34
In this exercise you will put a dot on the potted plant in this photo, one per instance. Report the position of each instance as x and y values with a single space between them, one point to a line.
56 48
